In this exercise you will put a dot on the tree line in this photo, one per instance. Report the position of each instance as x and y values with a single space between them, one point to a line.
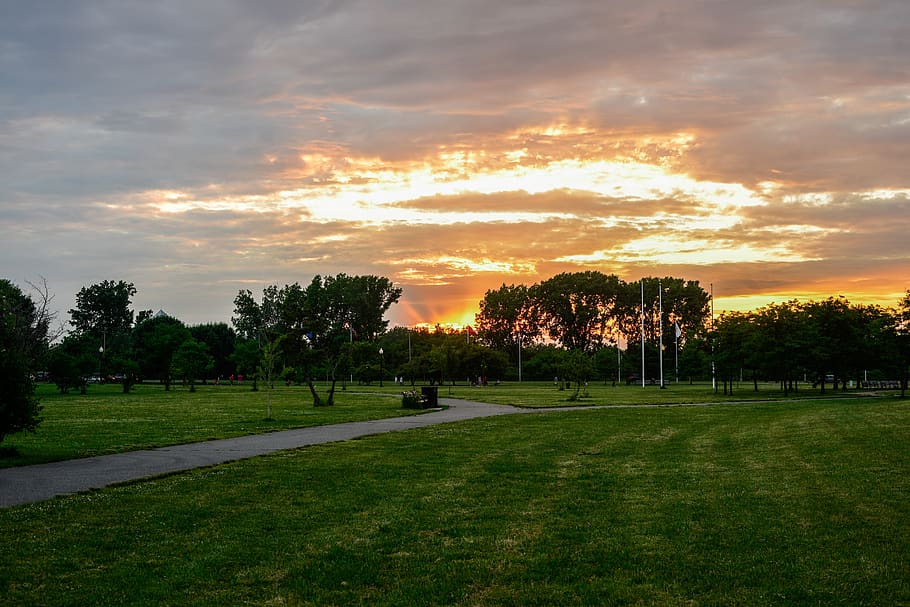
824 342
572 328
829 342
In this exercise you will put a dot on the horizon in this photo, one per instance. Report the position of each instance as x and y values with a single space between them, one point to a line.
454 323
196 149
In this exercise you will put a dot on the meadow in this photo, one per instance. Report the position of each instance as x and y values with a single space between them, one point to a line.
792 502
104 420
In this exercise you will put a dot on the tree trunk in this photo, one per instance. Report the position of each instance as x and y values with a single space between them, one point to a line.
331 400
317 401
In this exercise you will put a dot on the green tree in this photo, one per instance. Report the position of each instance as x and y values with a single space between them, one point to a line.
220 339
71 361
191 361
23 340
103 312
318 322
576 368
608 364
788 346
734 342
246 359
903 350
156 341
543 362
104 308
269 368
577 310
505 314
359 303
828 324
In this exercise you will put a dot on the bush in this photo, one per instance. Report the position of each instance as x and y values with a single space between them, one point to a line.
412 399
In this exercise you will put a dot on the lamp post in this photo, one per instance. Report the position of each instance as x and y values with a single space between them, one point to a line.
381 352
100 364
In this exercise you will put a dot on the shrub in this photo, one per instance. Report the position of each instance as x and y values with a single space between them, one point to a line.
412 399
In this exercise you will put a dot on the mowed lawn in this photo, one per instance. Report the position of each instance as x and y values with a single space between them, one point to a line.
788 503
104 420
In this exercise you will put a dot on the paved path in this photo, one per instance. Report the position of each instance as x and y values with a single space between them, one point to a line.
40 482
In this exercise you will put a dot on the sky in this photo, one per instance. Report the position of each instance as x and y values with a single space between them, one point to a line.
199 147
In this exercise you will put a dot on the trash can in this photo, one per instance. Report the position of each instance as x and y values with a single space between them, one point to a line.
430 396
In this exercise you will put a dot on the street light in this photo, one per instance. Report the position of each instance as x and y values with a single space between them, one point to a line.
380 366
100 364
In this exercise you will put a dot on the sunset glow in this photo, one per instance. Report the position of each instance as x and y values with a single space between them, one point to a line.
477 145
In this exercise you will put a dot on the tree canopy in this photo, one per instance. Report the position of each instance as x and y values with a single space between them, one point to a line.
23 340
318 322
103 308
588 310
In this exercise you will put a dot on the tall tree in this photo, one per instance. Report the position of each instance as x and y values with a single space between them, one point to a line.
577 310
220 339
360 302
317 321
836 338
269 369
902 342
783 340
23 340
191 361
247 318
103 318
71 361
104 308
156 341
505 314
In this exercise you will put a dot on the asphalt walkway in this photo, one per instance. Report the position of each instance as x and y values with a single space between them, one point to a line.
28 484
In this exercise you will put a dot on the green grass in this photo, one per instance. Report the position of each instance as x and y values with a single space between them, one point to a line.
107 421
792 503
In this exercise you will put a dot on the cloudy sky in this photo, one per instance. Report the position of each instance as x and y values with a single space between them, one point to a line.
200 147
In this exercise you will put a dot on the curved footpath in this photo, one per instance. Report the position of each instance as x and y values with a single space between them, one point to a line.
28 484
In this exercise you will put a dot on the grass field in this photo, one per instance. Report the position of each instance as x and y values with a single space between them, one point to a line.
107 421
788 503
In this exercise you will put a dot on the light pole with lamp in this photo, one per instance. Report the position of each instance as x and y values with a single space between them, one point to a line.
100 364
381 352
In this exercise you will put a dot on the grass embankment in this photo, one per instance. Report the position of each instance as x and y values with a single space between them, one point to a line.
107 421
796 503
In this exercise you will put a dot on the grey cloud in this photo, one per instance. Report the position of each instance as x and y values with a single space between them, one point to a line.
102 100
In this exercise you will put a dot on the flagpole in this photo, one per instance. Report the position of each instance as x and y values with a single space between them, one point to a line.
642 332
677 332
660 321
713 367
